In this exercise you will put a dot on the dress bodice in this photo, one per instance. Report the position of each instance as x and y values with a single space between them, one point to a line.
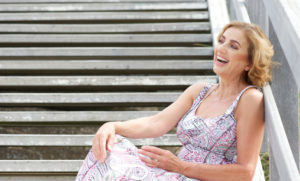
209 140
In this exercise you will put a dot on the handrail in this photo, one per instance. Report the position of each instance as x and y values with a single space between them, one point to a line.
283 156
284 15
284 159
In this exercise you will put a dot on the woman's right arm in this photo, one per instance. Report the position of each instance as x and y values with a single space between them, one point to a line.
145 127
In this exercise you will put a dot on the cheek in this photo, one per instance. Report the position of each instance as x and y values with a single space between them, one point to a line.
242 59
215 54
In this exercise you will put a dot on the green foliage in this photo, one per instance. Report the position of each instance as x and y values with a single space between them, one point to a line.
264 156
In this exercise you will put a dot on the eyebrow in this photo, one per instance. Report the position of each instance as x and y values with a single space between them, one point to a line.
231 40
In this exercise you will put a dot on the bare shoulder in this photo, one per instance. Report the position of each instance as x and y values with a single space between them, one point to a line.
252 97
195 89
251 102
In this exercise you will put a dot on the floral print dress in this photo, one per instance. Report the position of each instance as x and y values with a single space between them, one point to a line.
207 141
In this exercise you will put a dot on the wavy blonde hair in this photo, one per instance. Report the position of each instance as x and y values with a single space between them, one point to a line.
260 52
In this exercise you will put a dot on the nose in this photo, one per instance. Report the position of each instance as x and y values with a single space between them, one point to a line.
221 48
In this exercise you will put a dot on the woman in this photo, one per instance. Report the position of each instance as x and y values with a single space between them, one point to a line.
220 126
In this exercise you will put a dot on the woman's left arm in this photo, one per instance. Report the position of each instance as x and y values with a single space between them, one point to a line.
250 129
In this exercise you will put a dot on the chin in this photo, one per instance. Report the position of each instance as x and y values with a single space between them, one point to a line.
217 70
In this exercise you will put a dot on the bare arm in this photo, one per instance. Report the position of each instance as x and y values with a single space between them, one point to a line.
250 128
152 126
161 123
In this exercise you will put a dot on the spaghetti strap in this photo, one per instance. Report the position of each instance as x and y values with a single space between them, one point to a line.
202 95
235 102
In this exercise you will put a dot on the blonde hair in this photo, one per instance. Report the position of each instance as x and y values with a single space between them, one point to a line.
260 52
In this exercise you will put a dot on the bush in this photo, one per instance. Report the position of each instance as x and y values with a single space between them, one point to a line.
264 156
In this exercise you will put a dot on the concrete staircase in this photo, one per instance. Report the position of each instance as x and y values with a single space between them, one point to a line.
68 66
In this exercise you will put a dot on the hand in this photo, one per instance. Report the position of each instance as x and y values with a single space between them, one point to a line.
159 158
103 140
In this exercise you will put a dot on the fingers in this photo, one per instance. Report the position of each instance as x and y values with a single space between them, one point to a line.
110 142
99 147
158 158
149 159
150 155
153 149
102 147
103 140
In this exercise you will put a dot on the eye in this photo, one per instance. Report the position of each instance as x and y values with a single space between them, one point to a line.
234 46
221 41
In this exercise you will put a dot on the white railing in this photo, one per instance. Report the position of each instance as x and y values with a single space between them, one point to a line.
285 18
281 150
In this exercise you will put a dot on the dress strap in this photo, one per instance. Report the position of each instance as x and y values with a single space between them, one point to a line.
235 102
202 95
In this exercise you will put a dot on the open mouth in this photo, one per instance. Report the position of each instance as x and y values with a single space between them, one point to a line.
222 60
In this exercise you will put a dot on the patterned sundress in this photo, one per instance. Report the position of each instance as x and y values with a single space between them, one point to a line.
208 141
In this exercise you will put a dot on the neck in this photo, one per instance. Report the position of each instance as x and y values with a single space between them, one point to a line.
228 88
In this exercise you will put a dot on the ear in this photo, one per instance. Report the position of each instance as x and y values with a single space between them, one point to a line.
248 67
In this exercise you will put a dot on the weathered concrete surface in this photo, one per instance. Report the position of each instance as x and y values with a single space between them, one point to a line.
116 81
69 117
81 99
106 51
95 1
284 15
285 90
104 39
104 16
56 7
76 140
106 28
106 65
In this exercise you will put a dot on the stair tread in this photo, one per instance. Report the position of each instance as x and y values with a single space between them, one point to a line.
105 38
70 116
24 166
107 51
97 16
76 1
76 140
87 99
83 7
106 64
105 28
103 80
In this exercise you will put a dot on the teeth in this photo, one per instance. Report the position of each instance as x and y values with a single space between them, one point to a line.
222 59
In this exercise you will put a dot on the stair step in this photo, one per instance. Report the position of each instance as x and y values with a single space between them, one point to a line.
83 7
76 140
32 176
107 51
44 166
70 116
106 16
88 99
85 65
115 81
106 38
93 1
105 28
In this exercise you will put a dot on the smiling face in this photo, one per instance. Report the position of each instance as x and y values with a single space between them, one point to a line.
231 54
